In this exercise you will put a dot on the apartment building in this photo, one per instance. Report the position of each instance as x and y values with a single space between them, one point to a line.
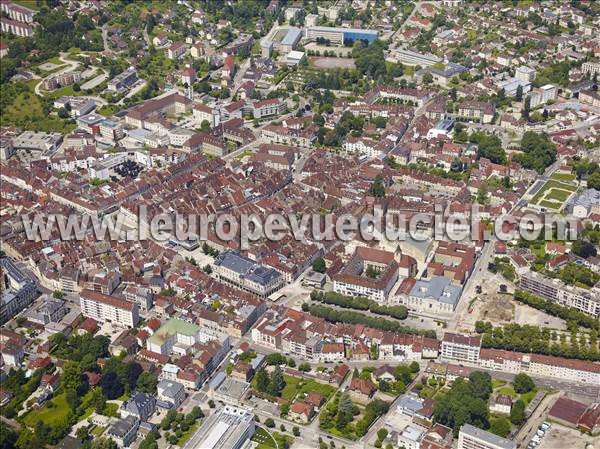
461 348
471 437
542 95
17 28
106 308
584 300
290 136
477 111
170 104
204 112
123 80
540 365
593 68
267 107
17 290
17 12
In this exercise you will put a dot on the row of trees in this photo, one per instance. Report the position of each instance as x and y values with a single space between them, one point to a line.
359 303
350 317
539 340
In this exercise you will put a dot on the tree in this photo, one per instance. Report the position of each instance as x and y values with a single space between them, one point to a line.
427 78
103 443
57 294
73 399
133 370
584 249
98 401
262 380
319 265
82 434
593 181
275 358
500 426
538 152
277 382
517 413
481 384
377 189
111 386
414 367
72 377
382 433
522 383
147 382
269 422
519 94
304 367
8 437
296 431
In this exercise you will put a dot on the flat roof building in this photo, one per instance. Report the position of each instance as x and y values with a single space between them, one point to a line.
228 428
340 35
471 437
106 308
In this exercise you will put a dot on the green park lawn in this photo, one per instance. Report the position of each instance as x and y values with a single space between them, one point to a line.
552 184
509 390
51 416
264 439
296 385
563 177
550 204
558 194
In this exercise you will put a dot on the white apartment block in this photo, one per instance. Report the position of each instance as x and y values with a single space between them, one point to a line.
542 95
106 308
587 301
461 348
593 68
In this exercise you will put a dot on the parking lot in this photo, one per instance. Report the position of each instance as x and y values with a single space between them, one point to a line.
560 437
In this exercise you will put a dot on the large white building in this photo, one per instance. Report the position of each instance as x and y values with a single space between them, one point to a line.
470 437
106 308
461 348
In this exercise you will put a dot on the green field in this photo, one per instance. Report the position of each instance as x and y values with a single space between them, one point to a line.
509 390
58 413
563 177
560 195
51 416
296 385
550 204
527 397
553 194
264 439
